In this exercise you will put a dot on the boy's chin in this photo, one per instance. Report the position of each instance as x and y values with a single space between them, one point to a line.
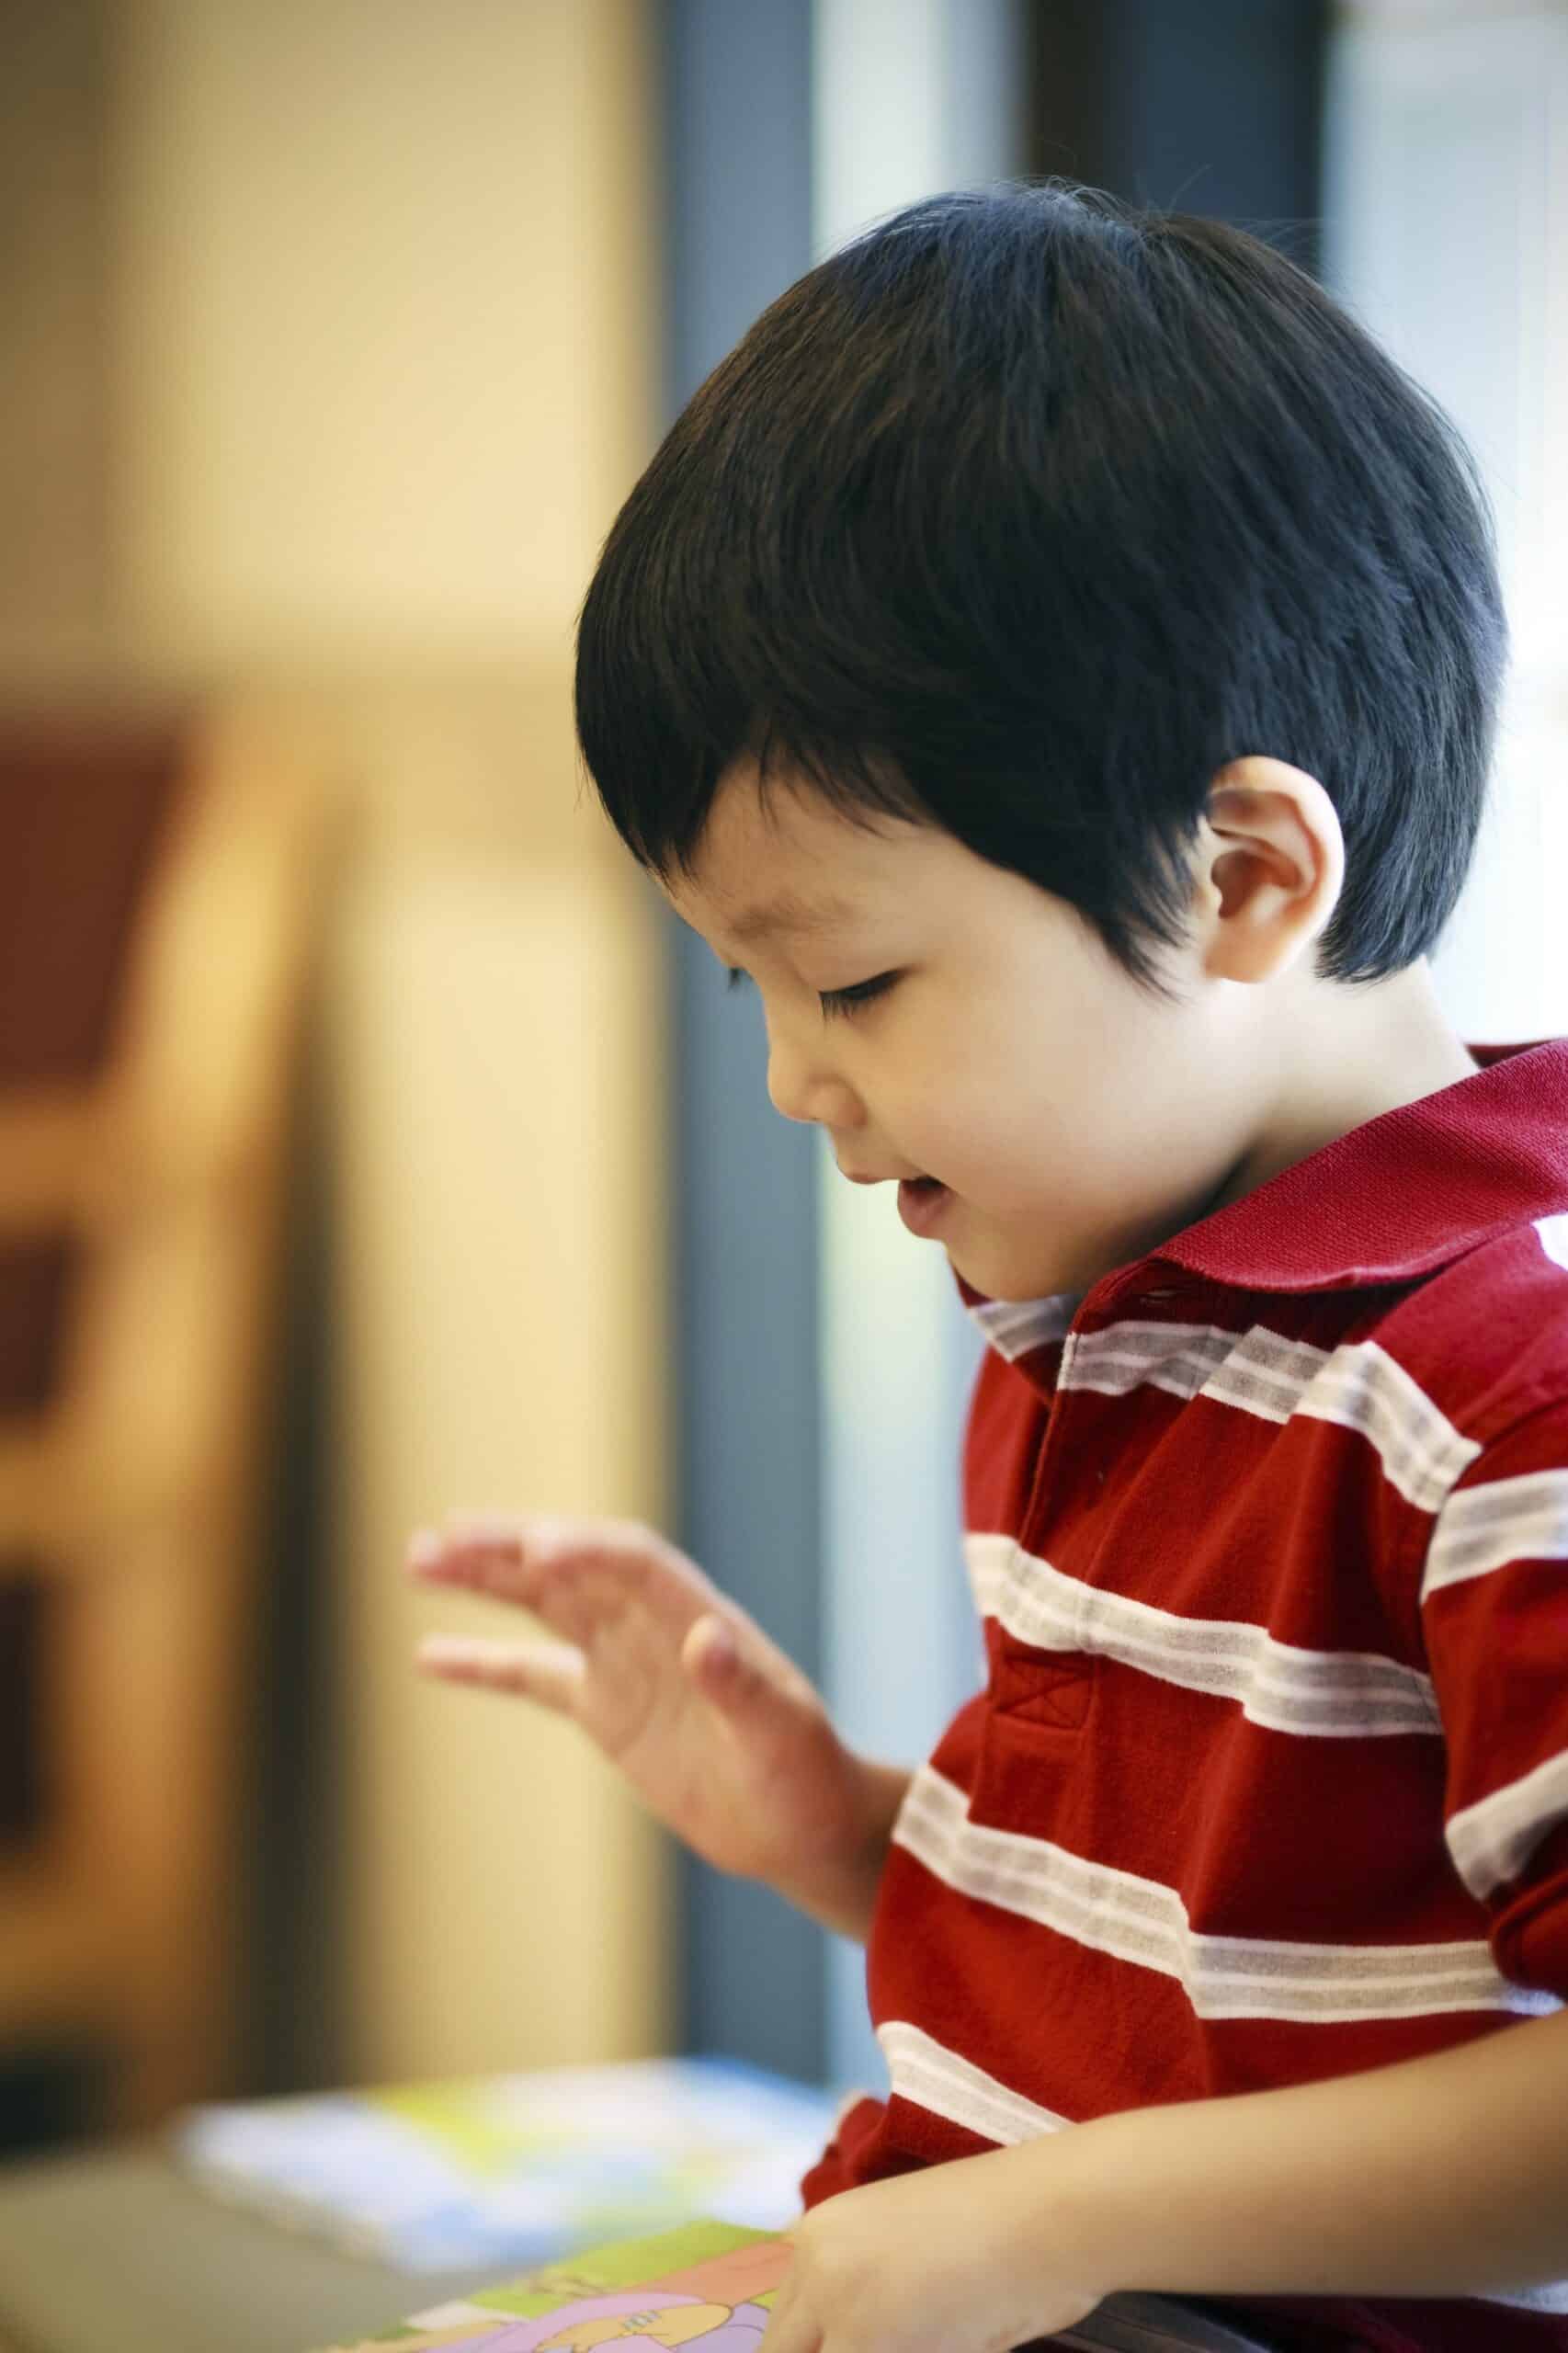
1010 1277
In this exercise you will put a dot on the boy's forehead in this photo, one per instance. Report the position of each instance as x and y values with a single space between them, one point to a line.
789 913
788 866
763 912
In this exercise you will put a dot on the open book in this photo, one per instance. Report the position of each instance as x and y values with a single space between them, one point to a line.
713 2285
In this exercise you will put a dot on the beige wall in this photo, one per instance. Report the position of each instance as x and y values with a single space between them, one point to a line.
384 318
383 305
496 1056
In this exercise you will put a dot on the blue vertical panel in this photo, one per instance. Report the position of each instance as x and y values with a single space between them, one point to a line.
901 1638
1213 107
736 104
1217 109
737 171
910 97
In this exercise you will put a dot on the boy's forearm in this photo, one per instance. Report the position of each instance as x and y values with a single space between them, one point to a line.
841 1889
1445 2176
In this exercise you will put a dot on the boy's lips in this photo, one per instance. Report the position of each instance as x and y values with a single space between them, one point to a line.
921 1203
921 1200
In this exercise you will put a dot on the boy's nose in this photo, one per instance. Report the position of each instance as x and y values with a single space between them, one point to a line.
799 1089
785 1083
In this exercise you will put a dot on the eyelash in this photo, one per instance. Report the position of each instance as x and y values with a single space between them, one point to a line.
833 1002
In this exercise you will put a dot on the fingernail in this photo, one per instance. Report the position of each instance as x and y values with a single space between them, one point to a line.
424 1548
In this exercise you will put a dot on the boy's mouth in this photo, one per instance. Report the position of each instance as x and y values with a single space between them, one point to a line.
921 1201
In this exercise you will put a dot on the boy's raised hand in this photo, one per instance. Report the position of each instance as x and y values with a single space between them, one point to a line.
718 1732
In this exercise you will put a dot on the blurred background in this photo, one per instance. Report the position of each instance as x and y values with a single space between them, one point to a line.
372 1143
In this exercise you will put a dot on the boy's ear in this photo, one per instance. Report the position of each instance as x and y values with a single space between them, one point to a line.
1270 866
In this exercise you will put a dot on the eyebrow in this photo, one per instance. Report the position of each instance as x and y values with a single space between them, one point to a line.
788 913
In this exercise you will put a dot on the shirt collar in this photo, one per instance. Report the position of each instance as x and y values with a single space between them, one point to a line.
1394 1198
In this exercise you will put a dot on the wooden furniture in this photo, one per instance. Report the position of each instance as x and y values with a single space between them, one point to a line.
157 886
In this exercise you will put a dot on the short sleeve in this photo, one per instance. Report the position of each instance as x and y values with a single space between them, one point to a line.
1495 1609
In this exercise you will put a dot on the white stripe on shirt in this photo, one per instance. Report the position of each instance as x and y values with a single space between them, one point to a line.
1357 1385
1333 1694
1491 1841
1013 1326
1553 1233
1481 1528
1141 1921
921 2070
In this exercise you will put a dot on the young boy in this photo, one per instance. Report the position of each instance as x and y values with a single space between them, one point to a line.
1055 656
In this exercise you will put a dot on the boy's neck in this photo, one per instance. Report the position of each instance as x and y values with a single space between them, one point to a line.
1348 1054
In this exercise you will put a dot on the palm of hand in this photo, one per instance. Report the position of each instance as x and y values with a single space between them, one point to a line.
739 1759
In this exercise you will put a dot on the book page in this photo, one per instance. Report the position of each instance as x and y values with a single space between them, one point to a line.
713 2285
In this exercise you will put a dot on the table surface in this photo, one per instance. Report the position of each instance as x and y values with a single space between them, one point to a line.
115 2246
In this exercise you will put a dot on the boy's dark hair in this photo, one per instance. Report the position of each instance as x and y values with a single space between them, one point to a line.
1026 512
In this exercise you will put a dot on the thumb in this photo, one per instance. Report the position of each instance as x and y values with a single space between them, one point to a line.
729 1677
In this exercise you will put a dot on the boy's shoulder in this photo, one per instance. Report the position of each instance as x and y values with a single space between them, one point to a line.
1485 1336
1432 1241
1408 1281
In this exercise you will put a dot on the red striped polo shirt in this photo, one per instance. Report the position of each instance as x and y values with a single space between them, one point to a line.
1269 1781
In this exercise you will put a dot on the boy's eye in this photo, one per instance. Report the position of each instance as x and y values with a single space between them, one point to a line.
847 1000
834 1001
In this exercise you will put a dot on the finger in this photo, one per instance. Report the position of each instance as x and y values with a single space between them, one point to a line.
571 1572
488 1557
734 1675
790 2333
509 1556
551 1673
710 1655
791 2328
533 1563
492 1526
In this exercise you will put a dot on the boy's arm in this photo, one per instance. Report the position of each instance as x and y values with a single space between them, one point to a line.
842 1891
1445 2176
1435 2178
